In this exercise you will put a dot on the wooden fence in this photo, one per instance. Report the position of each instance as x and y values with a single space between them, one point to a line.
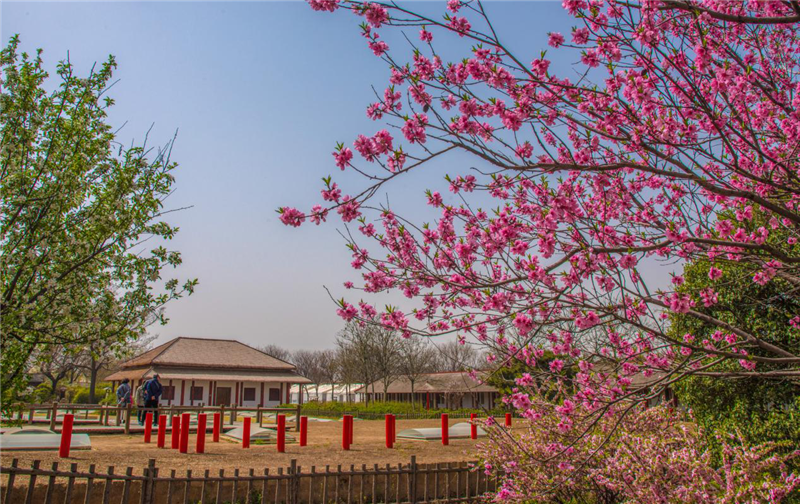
122 414
404 483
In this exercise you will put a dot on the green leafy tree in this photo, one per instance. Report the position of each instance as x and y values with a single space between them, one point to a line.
79 213
755 404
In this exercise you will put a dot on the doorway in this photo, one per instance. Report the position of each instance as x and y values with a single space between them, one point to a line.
223 396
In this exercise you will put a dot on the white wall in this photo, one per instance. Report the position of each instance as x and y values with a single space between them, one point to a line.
206 384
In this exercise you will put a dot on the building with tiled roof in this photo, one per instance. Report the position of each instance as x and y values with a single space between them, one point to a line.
451 389
197 371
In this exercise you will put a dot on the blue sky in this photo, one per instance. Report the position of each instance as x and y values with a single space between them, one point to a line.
259 93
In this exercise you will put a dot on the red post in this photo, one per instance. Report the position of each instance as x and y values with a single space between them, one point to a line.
201 433
508 419
176 432
217 425
281 433
303 430
66 436
445 430
388 428
148 426
473 428
184 433
350 428
162 430
345 432
246 433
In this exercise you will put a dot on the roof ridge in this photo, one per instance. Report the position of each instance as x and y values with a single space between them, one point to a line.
165 345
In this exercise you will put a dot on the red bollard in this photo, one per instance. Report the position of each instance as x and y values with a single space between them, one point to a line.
508 419
473 428
246 433
217 426
148 426
345 433
350 430
281 433
445 430
201 433
184 433
162 430
176 432
388 428
303 430
66 436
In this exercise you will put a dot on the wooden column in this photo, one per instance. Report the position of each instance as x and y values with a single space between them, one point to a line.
169 402
261 402
191 394
288 391
183 387
236 399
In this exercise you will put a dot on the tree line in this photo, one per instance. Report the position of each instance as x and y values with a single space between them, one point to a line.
373 355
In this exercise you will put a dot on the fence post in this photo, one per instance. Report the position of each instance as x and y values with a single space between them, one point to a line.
413 497
150 474
128 418
295 486
53 416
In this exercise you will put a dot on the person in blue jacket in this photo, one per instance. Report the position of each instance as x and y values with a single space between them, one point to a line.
153 391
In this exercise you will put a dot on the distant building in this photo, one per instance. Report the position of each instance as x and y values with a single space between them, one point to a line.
326 392
196 371
451 390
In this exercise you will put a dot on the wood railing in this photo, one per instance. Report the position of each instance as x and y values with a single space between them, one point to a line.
404 483
122 414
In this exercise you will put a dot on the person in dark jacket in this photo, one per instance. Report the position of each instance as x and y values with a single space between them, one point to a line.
123 393
153 392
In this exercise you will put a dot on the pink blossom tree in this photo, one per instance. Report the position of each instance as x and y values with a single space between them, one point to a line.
679 141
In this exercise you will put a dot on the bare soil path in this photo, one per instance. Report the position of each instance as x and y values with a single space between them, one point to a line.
324 448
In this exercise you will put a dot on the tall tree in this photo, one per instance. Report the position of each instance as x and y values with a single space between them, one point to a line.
679 113
415 358
458 356
55 363
276 351
355 344
77 212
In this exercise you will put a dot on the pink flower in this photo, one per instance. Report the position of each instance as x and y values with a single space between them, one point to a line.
324 5
709 297
376 15
556 365
714 273
318 214
347 312
460 25
680 303
556 39
414 128
425 35
628 261
291 216
342 157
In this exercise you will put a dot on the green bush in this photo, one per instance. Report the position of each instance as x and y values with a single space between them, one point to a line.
378 408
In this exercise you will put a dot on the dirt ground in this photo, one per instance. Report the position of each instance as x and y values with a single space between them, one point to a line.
324 448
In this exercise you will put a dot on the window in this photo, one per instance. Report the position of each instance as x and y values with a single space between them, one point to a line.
168 393
249 394
197 394
275 394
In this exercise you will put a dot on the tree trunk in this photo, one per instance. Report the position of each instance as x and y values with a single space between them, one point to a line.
92 380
